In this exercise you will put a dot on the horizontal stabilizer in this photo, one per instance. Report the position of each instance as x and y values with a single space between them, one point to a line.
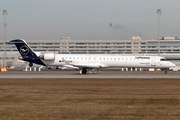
16 41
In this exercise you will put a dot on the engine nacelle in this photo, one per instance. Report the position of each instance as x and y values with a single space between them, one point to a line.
47 56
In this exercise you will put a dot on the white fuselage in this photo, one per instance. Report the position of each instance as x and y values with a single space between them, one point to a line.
109 61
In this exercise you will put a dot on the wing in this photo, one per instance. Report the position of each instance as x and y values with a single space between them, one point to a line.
81 66
86 66
76 66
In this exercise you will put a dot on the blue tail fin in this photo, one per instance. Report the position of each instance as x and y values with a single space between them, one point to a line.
26 52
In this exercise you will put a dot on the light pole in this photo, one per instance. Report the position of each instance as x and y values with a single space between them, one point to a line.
5 25
110 25
159 13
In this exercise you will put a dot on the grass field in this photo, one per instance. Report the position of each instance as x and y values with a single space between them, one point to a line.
90 99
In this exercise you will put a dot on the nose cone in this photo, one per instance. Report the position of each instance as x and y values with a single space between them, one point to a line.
171 64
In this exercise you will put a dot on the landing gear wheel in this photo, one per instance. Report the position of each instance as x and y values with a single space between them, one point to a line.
165 72
30 64
84 71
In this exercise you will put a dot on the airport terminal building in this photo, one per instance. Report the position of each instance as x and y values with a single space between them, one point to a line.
169 48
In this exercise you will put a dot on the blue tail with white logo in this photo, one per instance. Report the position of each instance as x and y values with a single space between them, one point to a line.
26 52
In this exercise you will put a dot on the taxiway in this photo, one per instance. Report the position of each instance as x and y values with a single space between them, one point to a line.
69 74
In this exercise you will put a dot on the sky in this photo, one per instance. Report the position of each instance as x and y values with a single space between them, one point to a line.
89 19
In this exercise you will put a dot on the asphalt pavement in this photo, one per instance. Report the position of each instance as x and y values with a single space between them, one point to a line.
93 75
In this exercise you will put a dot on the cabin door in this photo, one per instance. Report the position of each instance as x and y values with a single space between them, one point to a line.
153 62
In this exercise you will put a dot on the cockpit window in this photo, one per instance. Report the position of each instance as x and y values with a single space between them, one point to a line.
163 59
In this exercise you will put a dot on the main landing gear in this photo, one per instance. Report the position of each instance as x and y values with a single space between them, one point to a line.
84 71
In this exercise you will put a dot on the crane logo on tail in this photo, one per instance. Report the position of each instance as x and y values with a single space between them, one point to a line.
24 50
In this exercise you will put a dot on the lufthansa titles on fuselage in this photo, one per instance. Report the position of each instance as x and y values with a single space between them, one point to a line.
141 57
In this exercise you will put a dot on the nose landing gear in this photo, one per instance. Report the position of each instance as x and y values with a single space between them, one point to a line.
165 71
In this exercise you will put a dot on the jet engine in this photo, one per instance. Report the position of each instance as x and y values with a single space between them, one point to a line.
47 56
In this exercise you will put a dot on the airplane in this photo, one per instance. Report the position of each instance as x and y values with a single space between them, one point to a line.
85 62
